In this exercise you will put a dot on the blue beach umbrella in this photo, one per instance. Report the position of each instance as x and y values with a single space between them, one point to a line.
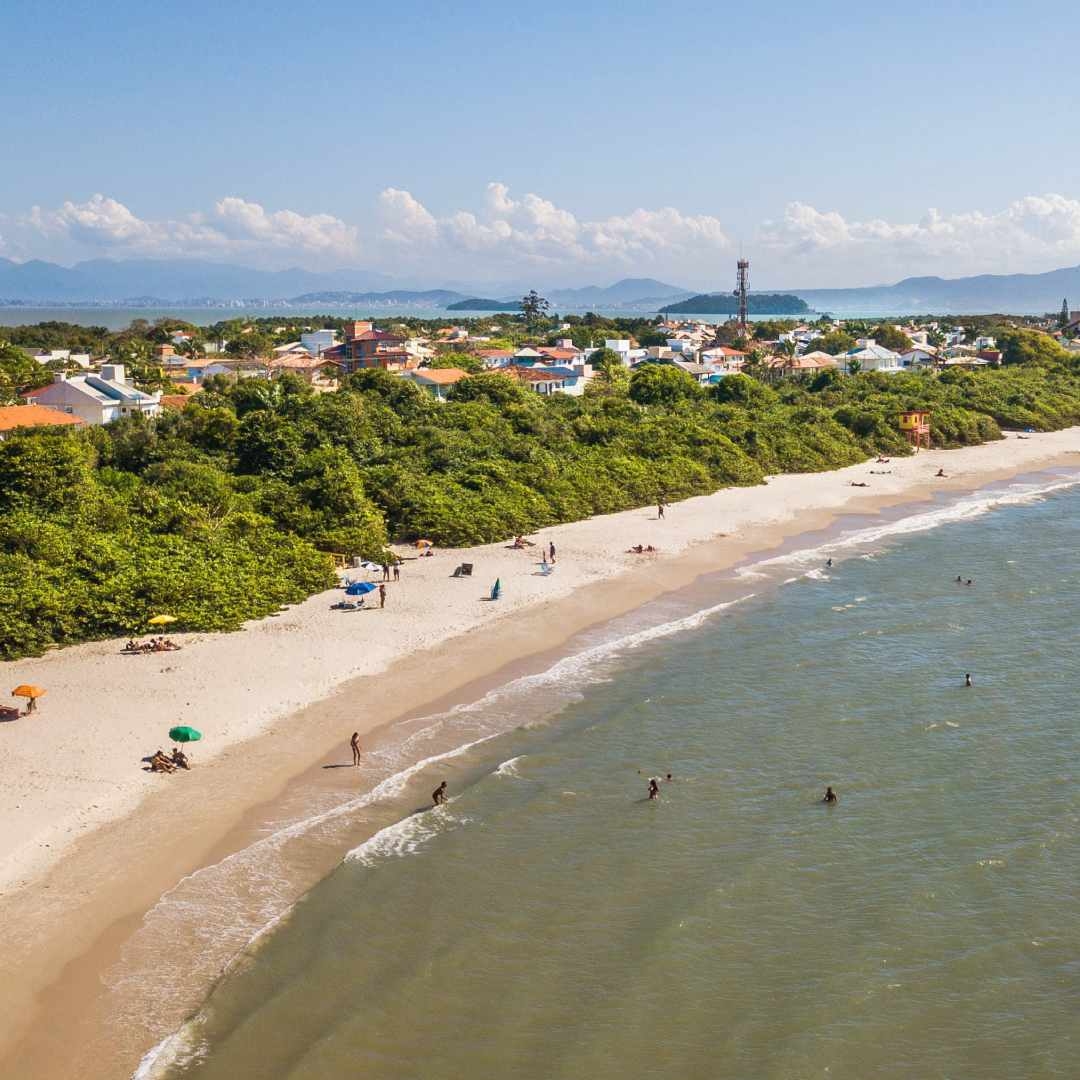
359 588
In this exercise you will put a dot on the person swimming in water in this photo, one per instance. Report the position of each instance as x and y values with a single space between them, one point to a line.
830 796
438 796
654 788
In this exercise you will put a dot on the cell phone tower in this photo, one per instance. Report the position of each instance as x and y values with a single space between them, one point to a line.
742 291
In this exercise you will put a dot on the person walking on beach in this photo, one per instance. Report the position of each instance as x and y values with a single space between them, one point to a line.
382 596
354 742
386 571
551 551
830 796
438 796
397 571
660 511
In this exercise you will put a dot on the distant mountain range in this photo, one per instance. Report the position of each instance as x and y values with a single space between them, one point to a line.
193 283
1018 294
169 281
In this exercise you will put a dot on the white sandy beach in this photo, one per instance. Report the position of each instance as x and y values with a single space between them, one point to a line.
77 762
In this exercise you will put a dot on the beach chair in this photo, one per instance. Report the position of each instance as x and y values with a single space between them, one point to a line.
463 570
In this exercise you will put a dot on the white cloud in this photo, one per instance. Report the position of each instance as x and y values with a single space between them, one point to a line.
234 227
532 231
1032 231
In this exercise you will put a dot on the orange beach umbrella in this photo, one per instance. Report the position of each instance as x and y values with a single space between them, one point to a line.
26 690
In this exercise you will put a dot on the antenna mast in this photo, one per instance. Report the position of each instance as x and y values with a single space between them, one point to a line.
742 290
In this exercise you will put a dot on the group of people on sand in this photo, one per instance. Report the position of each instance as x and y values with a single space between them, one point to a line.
167 763
153 645
638 549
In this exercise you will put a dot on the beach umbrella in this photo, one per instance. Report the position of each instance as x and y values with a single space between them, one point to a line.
184 734
359 588
162 620
30 692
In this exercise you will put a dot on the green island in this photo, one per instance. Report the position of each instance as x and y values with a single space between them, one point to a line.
226 509
479 304
727 304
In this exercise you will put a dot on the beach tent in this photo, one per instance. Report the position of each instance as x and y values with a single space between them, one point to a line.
359 588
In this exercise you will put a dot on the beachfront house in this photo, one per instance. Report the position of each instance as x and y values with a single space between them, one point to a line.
543 380
13 417
318 341
919 357
874 357
365 347
723 359
435 381
96 399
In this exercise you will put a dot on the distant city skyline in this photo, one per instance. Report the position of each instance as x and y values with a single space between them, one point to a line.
571 145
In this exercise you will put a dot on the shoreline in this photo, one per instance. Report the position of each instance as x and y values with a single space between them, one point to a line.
71 910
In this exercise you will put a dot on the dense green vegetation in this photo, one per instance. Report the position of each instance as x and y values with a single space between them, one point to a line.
479 304
226 510
726 304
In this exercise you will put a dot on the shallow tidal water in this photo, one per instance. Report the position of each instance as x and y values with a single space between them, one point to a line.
550 923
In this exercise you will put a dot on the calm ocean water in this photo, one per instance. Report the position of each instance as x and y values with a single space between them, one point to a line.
118 318
552 923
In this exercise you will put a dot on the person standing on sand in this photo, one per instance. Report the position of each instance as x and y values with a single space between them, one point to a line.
551 551
354 742
386 571
660 511
382 596
397 571
438 796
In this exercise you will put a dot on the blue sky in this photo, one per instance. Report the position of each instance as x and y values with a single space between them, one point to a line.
837 143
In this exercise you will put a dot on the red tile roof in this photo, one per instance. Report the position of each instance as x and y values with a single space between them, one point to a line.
441 376
16 416
528 374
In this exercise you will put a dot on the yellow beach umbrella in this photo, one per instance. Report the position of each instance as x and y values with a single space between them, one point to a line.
162 620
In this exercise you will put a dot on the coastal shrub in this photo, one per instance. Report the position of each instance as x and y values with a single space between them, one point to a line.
226 510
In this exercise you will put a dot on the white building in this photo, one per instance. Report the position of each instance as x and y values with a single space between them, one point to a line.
318 341
97 399
620 346
874 357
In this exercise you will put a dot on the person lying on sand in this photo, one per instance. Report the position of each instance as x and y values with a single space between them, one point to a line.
854 484
160 763
882 460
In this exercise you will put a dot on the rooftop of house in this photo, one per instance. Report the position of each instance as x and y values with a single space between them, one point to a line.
440 376
532 374
378 335
16 416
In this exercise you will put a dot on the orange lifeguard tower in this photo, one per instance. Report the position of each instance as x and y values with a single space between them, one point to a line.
915 424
